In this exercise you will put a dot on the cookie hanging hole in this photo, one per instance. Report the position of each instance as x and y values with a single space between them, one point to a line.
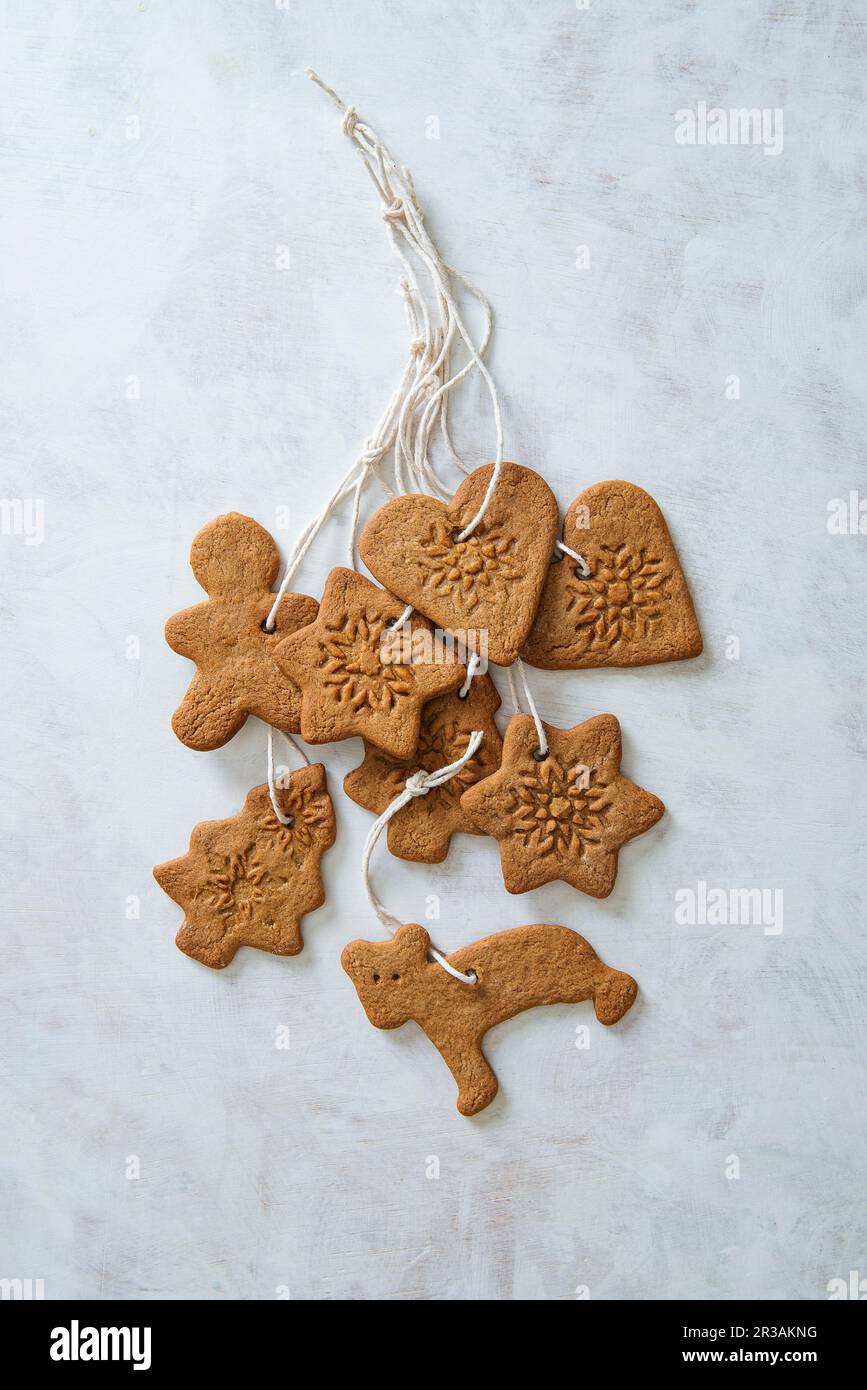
265 628
376 979
582 569
397 623
457 532
472 977
395 977
540 754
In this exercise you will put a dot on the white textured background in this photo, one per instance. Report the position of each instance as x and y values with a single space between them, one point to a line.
155 258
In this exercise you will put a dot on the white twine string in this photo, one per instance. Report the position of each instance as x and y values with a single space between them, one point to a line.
567 550
375 450
404 618
473 665
420 399
530 703
272 785
419 784
425 401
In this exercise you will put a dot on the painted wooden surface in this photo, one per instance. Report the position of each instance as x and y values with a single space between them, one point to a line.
200 315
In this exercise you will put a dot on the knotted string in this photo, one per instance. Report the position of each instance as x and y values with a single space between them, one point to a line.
426 401
419 784
420 400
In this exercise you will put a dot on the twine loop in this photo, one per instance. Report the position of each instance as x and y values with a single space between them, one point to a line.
418 784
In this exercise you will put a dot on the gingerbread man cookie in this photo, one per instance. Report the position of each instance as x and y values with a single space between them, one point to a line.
514 970
361 674
566 815
422 831
236 562
634 607
248 880
491 581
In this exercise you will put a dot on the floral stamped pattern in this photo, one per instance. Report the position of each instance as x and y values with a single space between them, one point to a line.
422 830
565 815
363 671
236 886
356 671
620 600
312 817
556 810
482 566
248 880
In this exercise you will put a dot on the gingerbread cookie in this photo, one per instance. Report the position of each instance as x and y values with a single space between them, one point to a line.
422 830
359 674
489 582
564 816
236 562
248 880
515 970
634 608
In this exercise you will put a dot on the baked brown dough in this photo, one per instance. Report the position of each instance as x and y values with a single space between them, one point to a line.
564 816
248 880
492 581
516 970
635 607
236 562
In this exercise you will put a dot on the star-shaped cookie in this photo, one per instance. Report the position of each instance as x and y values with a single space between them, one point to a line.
564 816
248 880
236 562
422 830
360 675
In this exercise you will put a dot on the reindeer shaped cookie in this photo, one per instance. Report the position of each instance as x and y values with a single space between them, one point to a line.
515 970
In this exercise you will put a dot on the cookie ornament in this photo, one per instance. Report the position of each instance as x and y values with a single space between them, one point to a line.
475 564
422 829
457 998
498 977
625 602
249 880
564 815
232 636
364 668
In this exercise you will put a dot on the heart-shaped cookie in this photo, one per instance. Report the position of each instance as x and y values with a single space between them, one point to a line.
634 609
487 586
